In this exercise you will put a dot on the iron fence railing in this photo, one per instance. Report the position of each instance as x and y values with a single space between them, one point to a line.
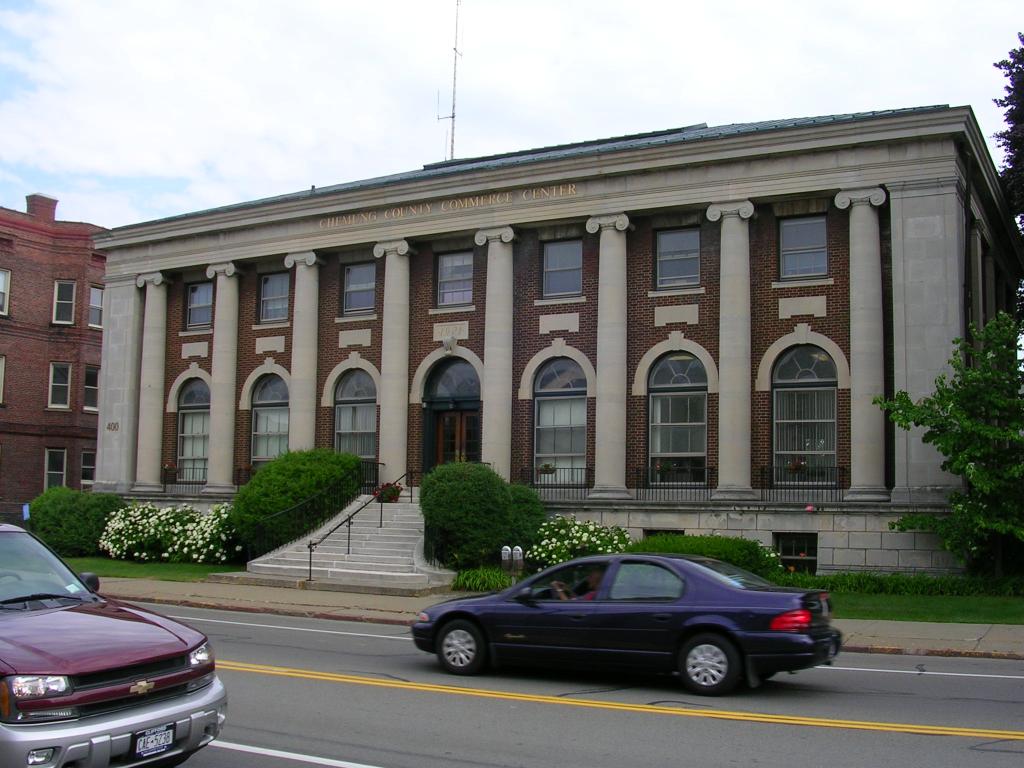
185 481
558 483
371 472
664 484
802 482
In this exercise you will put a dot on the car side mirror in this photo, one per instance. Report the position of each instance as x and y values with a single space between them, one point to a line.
524 595
91 580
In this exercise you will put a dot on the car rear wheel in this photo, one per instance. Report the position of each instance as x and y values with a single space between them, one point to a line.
709 665
460 648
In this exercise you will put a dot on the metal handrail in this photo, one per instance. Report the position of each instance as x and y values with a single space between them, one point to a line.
312 544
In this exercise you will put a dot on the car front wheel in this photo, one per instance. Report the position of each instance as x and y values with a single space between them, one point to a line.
460 648
709 665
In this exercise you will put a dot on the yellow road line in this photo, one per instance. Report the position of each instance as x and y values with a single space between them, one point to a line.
717 714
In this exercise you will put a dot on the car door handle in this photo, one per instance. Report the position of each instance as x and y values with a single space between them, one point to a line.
662 617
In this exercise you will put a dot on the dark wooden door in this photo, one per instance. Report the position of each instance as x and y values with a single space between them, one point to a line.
457 436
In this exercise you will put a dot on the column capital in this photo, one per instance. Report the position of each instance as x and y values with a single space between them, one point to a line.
400 247
227 268
484 236
304 257
744 209
619 221
156 278
872 195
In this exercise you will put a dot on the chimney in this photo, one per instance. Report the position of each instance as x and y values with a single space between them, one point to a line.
41 207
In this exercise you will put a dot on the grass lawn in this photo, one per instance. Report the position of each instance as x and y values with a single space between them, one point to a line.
104 566
960 610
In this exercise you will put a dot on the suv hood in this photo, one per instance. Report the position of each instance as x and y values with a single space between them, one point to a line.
88 638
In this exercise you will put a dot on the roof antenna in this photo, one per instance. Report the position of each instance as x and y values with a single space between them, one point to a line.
455 69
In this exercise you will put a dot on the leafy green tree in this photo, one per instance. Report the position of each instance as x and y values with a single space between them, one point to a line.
1012 139
975 419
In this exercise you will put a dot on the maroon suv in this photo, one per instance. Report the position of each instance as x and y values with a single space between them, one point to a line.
87 682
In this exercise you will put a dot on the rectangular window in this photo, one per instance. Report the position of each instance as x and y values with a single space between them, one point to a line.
88 467
678 437
60 385
269 434
95 306
802 247
199 312
455 279
678 258
56 466
91 399
560 450
798 551
274 297
355 429
5 290
360 288
805 435
563 268
193 444
64 302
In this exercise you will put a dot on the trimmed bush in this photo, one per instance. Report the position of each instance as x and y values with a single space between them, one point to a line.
907 584
741 552
70 521
486 579
261 514
563 538
466 514
526 516
177 534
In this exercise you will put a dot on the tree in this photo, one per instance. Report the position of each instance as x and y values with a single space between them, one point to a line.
1012 139
975 419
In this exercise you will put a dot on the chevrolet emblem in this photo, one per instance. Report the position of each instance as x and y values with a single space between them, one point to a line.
141 687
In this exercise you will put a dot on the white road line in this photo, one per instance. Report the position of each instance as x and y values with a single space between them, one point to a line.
312 760
290 629
923 673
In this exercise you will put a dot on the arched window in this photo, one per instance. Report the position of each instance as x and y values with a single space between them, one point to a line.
677 407
355 415
193 431
269 419
454 380
804 414
560 423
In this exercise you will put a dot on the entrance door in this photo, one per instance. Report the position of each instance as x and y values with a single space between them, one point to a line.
457 436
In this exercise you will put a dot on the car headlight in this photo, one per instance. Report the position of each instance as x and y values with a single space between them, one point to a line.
422 616
200 656
39 686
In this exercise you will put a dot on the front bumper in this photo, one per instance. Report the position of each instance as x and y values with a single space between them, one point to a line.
423 636
98 742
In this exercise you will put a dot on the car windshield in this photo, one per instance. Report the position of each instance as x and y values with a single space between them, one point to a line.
731 574
27 568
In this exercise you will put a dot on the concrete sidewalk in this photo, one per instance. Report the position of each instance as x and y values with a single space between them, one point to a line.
1001 641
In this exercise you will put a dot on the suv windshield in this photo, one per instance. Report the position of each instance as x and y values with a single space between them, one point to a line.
27 568
732 574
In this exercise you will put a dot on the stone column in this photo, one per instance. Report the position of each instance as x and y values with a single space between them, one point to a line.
990 287
302 399
977 270
394 362
496 448
867 346
151 383
223 374
734 350
610 429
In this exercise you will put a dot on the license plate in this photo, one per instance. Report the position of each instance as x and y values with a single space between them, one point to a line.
154 740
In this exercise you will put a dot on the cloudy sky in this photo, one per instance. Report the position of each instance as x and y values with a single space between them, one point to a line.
132 110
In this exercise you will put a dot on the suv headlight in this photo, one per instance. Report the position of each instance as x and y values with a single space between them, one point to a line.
39 686
200 656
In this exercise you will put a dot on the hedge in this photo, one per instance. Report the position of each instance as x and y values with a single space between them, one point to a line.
907 584
72 522
744 553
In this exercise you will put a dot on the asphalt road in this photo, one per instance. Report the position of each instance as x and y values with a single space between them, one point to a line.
327 693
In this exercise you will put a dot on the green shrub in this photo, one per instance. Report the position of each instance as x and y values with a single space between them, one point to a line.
485 579
907 584
741 552
175 534
466 514
70 521
563 538
264 514
526 516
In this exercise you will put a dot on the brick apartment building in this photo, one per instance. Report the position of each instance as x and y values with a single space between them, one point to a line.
51 320
686 328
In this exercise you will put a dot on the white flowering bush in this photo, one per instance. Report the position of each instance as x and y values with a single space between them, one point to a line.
563 538
176 534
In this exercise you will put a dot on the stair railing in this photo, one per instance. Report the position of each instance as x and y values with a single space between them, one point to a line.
314 543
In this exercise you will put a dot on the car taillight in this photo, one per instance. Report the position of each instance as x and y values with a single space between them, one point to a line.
792 621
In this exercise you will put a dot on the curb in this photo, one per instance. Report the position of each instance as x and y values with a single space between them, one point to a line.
948 652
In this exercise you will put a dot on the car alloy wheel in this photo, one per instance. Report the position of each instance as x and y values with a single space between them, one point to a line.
709 664
461 649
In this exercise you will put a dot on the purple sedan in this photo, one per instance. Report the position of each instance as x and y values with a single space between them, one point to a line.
713 622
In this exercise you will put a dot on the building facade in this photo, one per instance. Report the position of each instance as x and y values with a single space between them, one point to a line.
51 320
695 315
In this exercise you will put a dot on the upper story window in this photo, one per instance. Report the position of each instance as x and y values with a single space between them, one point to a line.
360 288
803 249
95 306
60 385
64 302
5 290
274 297
454 279
563 268
91 399
678 255
199 309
